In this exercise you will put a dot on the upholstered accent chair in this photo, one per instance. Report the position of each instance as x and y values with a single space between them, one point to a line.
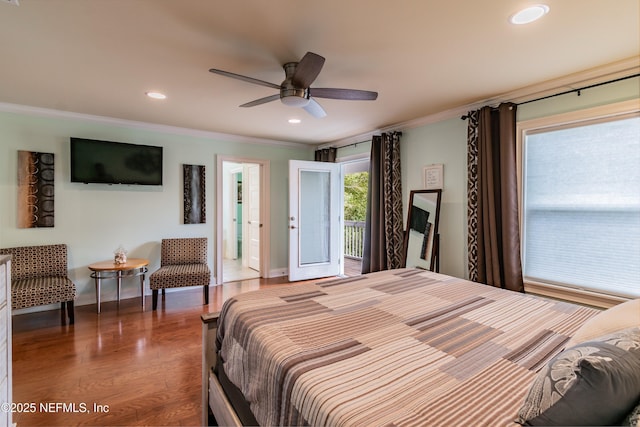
183 262
39 276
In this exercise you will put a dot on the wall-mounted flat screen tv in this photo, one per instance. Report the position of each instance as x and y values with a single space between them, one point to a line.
106 162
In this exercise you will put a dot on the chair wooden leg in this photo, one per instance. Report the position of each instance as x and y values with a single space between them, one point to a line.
154 298
71 312
206 294
63 313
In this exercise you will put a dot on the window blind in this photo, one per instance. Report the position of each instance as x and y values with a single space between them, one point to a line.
582 206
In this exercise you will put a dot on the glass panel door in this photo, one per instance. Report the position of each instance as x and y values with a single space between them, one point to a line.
314 220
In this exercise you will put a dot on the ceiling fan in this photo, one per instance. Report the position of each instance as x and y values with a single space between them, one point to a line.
295 90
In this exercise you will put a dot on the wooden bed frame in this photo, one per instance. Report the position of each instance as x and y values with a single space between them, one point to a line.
213 396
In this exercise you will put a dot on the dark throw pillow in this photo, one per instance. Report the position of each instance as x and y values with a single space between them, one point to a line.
593 383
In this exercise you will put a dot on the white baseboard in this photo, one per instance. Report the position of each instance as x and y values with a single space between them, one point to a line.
278 272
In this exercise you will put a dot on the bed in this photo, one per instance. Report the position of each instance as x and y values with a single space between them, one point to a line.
398 347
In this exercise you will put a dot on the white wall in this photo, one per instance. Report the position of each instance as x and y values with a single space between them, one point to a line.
94 219
443 142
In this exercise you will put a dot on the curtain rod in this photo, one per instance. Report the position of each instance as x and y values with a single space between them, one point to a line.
578 90
353 144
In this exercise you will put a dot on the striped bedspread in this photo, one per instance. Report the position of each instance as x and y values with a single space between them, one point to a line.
401 347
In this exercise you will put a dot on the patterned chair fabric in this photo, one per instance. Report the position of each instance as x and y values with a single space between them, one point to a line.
183 262
39 277
41 291
190 250
180 275
37 261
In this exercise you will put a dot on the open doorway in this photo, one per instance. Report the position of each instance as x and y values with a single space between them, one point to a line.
240 236
355 188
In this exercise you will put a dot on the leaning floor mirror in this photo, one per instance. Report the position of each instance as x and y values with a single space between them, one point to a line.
421 239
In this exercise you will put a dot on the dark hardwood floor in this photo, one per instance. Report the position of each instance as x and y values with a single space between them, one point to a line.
122 367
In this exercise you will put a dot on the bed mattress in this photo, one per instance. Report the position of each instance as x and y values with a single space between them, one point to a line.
403 347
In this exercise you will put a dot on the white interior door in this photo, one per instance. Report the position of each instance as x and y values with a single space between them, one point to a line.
315 221
222 211
230 217
253 212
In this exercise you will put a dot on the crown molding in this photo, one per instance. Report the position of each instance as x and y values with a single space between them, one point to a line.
132 124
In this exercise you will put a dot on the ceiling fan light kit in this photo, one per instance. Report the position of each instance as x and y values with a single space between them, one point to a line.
293 98
295 90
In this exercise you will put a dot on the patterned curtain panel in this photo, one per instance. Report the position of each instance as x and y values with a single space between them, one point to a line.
326 155
383 233
472 194
494 234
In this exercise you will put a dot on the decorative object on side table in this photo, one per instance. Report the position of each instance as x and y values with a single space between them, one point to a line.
120 256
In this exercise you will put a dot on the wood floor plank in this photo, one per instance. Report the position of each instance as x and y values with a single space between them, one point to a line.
145 367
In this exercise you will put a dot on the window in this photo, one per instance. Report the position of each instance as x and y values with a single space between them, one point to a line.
581 204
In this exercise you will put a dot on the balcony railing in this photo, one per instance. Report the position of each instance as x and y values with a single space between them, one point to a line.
353 239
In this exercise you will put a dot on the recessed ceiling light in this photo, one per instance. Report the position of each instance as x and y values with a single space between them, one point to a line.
294 121
529 14
156 95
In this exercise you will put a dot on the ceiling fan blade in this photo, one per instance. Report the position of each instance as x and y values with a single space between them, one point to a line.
314 109
348 94
244 78
307 70
261 101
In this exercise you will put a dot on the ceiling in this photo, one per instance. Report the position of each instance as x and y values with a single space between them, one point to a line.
99 57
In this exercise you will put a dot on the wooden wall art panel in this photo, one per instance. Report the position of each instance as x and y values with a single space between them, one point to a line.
194 194
35 189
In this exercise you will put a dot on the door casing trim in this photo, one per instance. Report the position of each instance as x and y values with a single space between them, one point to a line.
265 218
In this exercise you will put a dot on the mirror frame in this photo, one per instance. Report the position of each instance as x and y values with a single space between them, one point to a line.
434 264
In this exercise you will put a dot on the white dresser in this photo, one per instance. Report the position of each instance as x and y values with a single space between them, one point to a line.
5 341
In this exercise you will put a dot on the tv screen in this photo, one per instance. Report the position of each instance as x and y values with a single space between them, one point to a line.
107 162
419 219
